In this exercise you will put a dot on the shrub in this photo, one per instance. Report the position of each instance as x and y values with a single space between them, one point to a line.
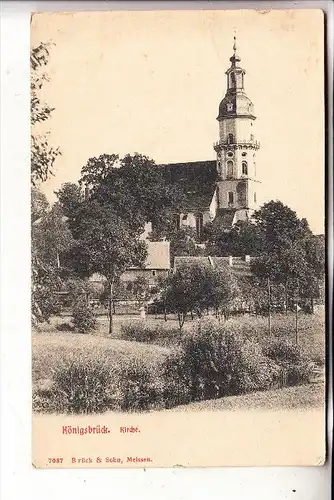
83 385
46 399
296 366
83 317
89 383
176 387
219 363
140 387
64 327
212 360
146 387
141 332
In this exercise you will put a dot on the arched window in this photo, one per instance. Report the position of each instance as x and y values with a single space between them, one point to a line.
254 197
199 225
230 198
230 169
244 168
232 79
230 138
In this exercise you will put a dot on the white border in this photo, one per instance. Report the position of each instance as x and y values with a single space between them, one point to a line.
19 480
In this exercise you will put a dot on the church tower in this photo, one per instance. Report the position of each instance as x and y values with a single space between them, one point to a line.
237 148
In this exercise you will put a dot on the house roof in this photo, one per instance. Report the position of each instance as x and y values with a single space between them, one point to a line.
157 258
158 255
187 260
196 179
239 266
37 222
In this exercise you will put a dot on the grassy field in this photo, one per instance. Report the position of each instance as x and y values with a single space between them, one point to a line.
103 323
311 328
52 347
289 398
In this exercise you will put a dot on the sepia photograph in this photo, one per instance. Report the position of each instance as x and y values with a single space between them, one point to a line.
178 288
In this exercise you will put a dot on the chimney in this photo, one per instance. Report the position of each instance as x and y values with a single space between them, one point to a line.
247 258
230 261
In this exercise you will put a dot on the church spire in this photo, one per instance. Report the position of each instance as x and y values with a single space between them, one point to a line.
235 58
235 103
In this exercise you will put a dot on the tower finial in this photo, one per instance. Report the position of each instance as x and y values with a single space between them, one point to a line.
235 58
235 44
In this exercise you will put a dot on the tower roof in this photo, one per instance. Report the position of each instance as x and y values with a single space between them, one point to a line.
234 105
236 102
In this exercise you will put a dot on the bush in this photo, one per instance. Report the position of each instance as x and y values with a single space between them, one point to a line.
141 332
283 351
211 361
90 384
176 388
296 366
219 363
83 317
140 387
145 387
83 385
64 327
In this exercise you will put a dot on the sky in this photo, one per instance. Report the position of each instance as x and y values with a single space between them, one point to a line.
151 82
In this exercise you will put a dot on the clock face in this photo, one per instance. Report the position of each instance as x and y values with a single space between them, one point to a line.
229 106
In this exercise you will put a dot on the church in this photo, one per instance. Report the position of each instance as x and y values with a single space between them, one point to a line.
223 189
226 187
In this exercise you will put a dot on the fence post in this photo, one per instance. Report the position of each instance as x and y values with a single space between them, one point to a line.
297 294
269 306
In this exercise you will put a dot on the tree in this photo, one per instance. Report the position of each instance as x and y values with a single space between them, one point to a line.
45 277
220 289
80 289
39 204
50 238
290 253
105 243
285 268
134 187
254 294
198 288
177 294
290 256
182 242
141 290
243 239
45 282
69 198
97 170
42 154
279 226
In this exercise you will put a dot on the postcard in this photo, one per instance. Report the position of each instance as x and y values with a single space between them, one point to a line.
178 295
